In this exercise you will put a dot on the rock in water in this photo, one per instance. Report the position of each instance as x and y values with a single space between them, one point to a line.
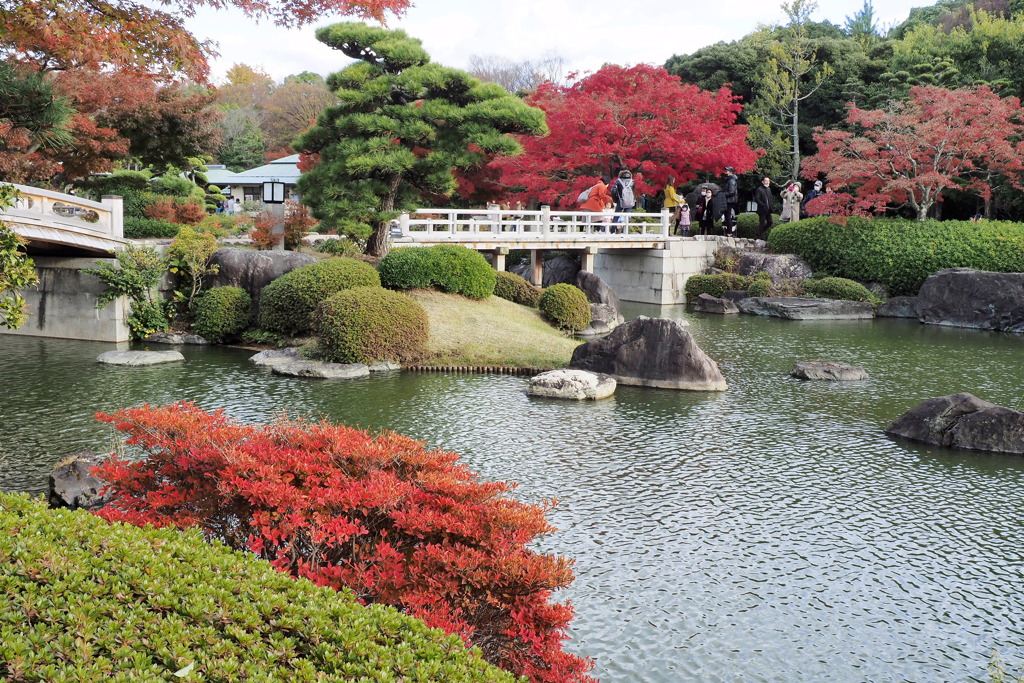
651 352
138 358
72 484
806 308
571 384
827 370
705 303
961 297
962 421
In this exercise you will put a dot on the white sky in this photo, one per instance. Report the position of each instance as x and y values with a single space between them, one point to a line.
586 33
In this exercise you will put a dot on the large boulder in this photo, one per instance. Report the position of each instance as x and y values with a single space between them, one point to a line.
705 303
778 266
557 270
898 307
827 370
962 297
321 370
806 308
605 307
571 384
651 352
253 270
72 484
962 421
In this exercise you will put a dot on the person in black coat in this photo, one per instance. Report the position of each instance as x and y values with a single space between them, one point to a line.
720 202
763 199
704 211
730 190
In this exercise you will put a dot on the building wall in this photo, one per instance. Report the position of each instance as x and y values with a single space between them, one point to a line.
64 304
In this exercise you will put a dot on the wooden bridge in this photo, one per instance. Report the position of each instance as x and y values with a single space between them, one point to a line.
53 223
501 230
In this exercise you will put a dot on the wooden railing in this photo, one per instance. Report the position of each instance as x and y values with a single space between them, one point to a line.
516 225
46 208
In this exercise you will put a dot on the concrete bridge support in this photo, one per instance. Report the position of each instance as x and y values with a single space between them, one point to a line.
64 304
657 276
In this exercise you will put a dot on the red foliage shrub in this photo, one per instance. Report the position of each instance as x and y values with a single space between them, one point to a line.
190 213
396 523
162 209
297 222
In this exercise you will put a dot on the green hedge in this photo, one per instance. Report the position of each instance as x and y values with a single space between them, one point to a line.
369 324
222 313
407 268
565 305
837 288
901 253
287 303
89 601
141 228
338 247
516 289
459 270
715 285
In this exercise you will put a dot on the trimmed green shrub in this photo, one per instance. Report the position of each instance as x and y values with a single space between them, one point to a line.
565 305
222 313
142 228
407 268
837 288
369 324
287 303
901 253
516 289
86 600
746 224
715 285
338 247
460 270
760 288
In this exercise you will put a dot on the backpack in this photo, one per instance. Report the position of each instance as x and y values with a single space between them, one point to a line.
626 198
585 195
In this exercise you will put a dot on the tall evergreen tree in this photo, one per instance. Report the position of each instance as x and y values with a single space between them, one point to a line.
402 126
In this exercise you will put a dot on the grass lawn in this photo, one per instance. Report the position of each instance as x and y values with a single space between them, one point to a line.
490 332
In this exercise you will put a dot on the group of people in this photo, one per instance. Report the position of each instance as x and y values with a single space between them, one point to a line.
229 206
712 203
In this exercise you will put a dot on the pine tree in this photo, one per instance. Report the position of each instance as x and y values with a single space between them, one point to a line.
402 126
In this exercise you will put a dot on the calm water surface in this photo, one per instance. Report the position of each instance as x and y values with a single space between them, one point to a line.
768 533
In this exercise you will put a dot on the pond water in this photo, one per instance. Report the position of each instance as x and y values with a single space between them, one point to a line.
768 533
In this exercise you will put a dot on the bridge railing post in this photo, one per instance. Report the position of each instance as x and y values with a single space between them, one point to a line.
665 222
115 205
545 219
403 224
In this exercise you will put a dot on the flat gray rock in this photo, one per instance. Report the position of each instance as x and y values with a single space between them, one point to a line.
169 338
275 356
705 303
571 384
827 370
321 370
138 358
385 366
898 307
806 308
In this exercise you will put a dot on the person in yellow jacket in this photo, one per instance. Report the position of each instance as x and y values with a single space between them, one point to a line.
673 201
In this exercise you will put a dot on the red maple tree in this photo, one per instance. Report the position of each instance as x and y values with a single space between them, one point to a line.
911 152
641 118
396 523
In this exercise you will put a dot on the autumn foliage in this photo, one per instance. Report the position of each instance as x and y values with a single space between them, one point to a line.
297 222
915 150
381 515
641 118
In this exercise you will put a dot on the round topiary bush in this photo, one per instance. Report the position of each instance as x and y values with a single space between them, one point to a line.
837 288
760 287
408 268
165 605
460 270
287 303
222 313
565 305
517 289
369 324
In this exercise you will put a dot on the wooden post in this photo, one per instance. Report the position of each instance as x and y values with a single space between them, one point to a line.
537 267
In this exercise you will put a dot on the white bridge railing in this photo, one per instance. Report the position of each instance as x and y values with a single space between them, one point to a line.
36 206
517 225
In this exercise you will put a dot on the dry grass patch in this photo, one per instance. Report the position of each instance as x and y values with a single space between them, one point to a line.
490 332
